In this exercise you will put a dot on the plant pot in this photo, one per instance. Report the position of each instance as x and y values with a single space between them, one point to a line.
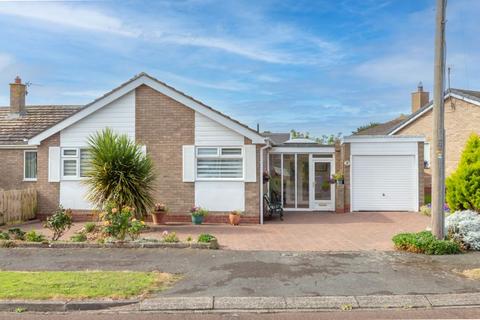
158 216
197 219
340 182
234 219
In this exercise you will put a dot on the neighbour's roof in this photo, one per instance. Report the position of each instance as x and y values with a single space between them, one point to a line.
393 125
16 131
381 128
277 138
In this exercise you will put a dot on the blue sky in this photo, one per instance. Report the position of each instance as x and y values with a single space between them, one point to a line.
320 66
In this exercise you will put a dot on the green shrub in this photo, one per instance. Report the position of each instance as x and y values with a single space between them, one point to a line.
32 236
463 185
120 222
79 237
4 236
205 238
16 234
424 242
90 227
59 222
426 210
170 237
119 173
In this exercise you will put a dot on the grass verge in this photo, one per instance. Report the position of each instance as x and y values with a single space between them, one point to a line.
81 284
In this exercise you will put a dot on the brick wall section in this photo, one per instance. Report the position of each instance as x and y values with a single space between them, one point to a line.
252 189
346 174
421 179
11 170
164 126
461 120
48 192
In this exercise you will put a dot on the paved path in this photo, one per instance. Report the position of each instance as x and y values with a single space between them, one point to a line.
459 313
265 273
301 231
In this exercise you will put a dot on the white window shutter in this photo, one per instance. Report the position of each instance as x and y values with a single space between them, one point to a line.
54 164
188 163
144 150
250 163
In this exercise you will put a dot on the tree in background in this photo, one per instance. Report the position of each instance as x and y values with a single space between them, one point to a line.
119 173
365 127
463 185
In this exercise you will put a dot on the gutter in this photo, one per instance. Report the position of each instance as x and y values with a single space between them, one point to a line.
260 177
18 146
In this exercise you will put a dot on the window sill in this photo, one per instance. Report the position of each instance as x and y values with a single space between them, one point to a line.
29 180
219 180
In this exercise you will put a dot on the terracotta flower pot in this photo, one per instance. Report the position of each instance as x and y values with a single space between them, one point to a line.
234 219
158 216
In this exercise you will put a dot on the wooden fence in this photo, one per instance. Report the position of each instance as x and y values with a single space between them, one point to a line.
17 205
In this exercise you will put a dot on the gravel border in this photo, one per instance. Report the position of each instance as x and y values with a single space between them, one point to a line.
179 245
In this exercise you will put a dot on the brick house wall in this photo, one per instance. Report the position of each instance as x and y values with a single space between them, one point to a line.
461 120
48 196
164 126
11 170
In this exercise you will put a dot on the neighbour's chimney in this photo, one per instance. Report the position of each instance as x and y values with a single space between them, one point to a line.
419 98
17 97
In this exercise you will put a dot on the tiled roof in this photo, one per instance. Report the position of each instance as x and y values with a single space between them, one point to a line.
277 138
14 131
382 128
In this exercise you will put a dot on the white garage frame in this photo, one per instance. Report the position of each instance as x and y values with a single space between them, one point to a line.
384 146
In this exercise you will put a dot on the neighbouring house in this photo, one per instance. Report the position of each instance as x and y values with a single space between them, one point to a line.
202 157
462 118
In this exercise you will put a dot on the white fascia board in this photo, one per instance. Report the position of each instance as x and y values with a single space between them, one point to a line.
256 138
459 97
302 150
18 146
101 102
353 139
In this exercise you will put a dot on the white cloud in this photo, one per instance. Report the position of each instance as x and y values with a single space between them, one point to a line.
69 15
229 85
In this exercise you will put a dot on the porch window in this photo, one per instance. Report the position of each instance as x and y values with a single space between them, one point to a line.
30 166
426 155
219 163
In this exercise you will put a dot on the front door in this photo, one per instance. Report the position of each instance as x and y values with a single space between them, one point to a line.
321 190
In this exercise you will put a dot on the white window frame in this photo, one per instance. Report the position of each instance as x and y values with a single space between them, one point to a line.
219 155
25 164
75 157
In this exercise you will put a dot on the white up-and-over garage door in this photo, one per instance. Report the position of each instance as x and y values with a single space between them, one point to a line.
384 175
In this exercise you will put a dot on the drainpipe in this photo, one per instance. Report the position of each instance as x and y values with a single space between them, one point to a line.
261 178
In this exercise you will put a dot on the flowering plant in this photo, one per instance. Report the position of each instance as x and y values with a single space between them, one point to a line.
169 237
120 222
236 212
160 207
198 211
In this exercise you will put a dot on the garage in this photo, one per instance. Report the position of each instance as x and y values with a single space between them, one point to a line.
384 173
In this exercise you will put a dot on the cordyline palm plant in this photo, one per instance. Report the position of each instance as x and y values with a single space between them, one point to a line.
119 173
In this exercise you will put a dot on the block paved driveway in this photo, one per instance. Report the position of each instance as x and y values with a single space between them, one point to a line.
299 231
302 231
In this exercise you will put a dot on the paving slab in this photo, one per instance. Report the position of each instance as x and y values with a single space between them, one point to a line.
450 300
326 302
97 304
38 306
177 303
393 301
246 303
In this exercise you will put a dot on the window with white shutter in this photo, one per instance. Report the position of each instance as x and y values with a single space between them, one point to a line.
220 163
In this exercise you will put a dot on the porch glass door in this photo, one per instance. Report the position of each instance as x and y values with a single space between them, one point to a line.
322 188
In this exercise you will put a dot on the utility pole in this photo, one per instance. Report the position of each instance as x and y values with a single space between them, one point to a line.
438 164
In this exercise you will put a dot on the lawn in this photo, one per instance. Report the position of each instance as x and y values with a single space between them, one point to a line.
81 284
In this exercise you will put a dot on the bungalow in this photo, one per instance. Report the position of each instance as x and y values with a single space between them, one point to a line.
202 157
